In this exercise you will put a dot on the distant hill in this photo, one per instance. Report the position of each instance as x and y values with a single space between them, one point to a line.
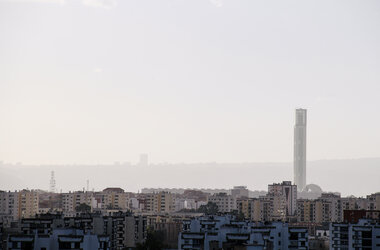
352 176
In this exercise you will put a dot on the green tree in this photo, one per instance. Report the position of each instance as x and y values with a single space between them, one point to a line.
208 209
154 241
84 208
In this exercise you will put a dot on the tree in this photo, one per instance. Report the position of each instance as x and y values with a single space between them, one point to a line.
209 209
84 208
154 241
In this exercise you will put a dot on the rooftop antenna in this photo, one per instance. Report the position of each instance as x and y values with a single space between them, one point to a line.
52 183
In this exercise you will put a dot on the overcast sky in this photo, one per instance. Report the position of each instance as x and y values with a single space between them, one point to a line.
99 81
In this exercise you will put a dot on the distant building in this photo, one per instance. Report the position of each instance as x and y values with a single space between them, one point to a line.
226 203
113 198
240 191
162 202
300 149
72 200
143 160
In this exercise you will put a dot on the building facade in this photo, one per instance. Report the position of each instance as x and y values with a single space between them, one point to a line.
362 235
225 232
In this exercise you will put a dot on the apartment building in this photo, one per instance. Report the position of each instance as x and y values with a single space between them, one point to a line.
72 200
59 239
362 235
28 203
226 203
116 231
373 201
284 197
19 204
224 232
162 202
125 230
9 204
113 198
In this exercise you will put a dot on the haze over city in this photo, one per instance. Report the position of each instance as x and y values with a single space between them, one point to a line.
95 82
189 124
99 82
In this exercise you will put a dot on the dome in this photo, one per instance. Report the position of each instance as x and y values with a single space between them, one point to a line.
313 188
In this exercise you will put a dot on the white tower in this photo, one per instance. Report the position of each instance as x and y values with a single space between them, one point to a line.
52 183
300 149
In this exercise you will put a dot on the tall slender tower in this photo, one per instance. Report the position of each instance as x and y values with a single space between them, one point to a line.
300 149
52 183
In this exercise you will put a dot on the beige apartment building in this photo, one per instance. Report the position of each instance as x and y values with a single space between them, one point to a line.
162 202
113 198
71 200
19 204
226 203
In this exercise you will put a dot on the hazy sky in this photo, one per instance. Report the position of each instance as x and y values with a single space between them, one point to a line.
187 80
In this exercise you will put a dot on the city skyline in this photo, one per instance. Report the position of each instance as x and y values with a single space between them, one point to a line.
189 124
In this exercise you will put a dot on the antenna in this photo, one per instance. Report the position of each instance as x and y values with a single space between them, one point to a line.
52 183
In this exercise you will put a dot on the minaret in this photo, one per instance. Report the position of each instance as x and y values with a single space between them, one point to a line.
300 149
52 183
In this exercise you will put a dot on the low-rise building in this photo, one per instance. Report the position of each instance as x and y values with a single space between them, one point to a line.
225 232
362 235
59 239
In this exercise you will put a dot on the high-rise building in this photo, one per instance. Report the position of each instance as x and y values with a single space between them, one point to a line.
52 183
300 149
143 160
284 199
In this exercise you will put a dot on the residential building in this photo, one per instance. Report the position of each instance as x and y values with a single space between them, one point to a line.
72 200
284 197
59 239
19 204
362 235
225 232
226 203
113 198
162 202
